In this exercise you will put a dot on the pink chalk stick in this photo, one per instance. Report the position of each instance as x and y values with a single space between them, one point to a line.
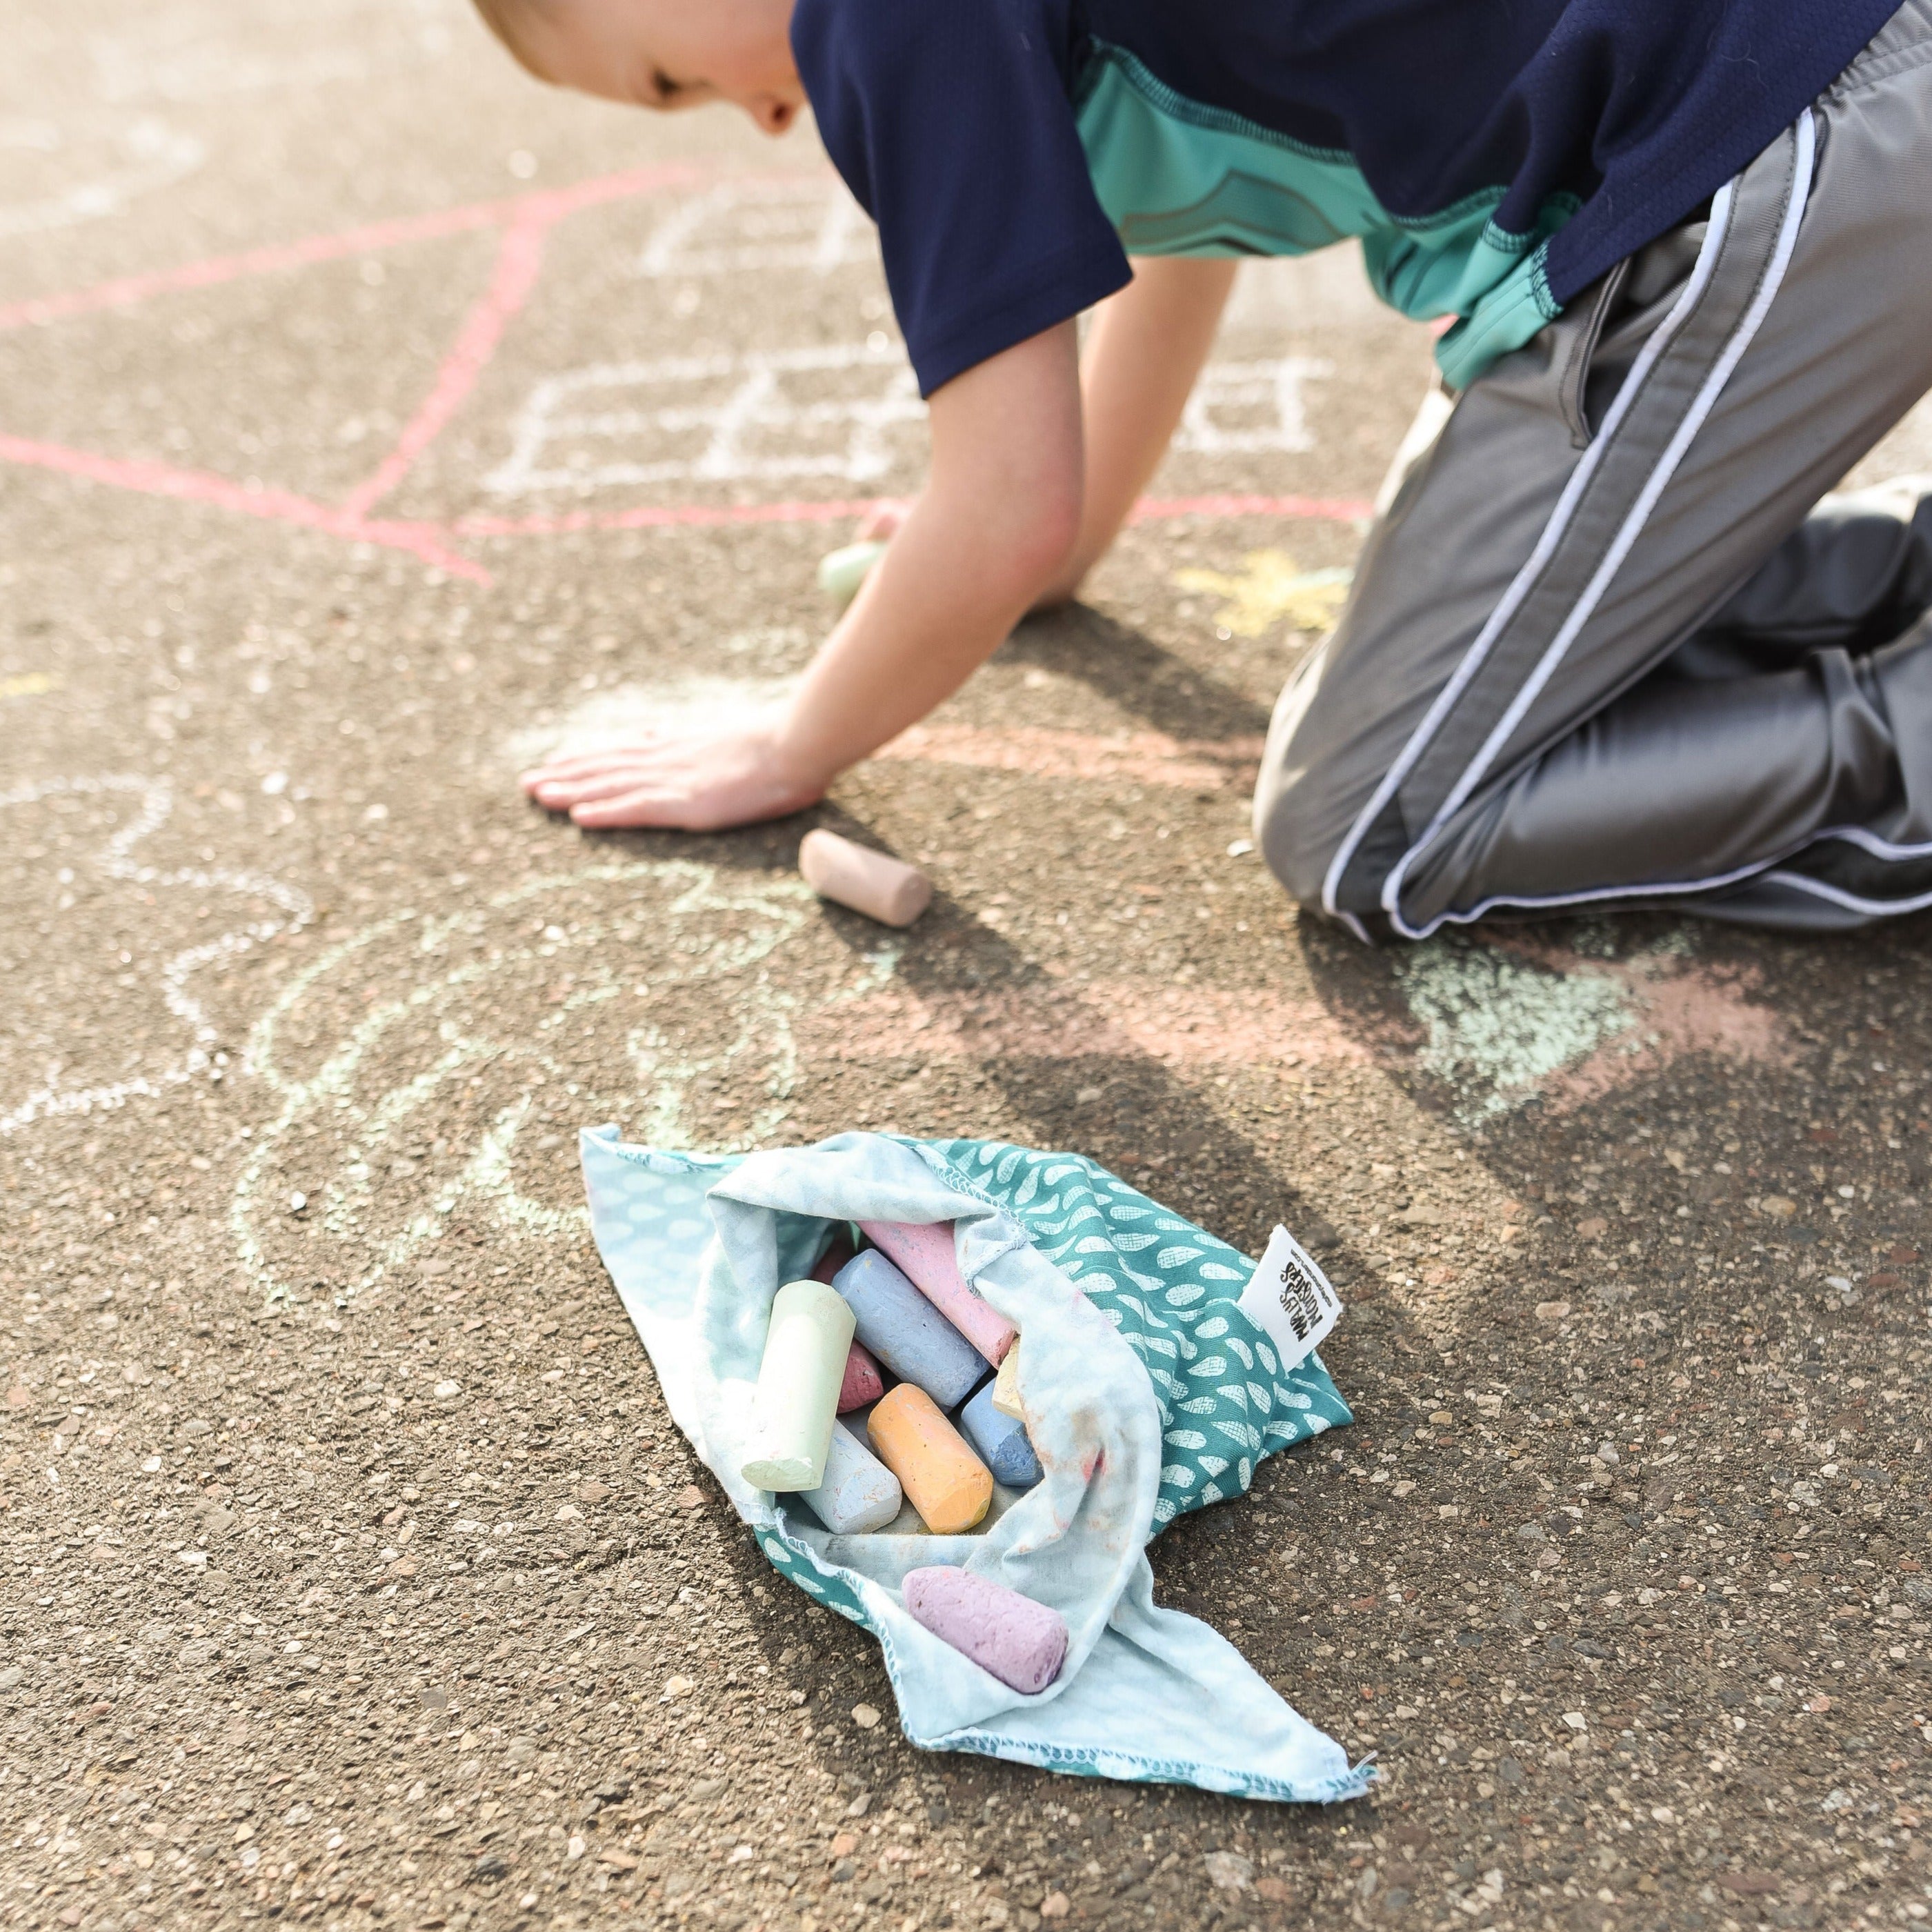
1010 1636
924 1254
863 1384
834 1258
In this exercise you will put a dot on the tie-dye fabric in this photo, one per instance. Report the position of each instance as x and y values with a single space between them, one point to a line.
1147 1394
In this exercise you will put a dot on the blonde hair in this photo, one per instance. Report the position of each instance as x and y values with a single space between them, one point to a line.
503 17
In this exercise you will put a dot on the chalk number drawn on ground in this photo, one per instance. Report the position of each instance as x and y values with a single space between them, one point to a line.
659 994
98 911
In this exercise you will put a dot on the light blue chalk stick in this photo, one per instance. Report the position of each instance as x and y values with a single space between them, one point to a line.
1001 1441
859 1493
906 1332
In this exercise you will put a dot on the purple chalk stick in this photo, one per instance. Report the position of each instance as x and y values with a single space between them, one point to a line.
1009 1636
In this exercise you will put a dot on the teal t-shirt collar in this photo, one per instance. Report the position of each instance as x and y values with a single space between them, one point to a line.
1178 178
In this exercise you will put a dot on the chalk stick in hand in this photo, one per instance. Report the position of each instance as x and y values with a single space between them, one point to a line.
924 1255
881 887
841 572
1010 1636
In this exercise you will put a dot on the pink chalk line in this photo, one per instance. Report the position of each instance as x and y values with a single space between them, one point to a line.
223 493
543 206
838 509
525 221
518 261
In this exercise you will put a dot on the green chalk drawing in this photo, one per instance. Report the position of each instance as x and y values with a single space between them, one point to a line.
452 1028
1499 1026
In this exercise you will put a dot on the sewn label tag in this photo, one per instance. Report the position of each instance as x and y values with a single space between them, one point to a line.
1289 1299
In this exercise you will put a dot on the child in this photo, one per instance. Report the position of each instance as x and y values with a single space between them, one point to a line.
1597 652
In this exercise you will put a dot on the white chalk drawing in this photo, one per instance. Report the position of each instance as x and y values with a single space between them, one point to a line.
849 411
811 225
145 155
628 964
683 706
1242 408
153 798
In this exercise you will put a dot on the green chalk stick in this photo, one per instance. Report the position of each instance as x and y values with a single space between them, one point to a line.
799 1380
841 572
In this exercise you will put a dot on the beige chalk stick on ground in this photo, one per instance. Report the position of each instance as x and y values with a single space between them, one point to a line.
880 886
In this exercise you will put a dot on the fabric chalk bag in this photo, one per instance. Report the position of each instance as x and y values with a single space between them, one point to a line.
1150 1388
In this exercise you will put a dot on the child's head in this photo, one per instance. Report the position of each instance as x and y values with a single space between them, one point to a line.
660 53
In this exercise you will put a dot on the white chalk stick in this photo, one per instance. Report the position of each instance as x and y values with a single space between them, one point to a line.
880 886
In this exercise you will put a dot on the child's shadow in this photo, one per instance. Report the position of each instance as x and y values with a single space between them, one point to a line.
1132 671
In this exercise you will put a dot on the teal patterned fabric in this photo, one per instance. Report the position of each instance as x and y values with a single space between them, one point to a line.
1148 1393
1171 1289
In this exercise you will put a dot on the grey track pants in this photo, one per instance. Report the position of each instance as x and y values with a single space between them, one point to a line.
1606 646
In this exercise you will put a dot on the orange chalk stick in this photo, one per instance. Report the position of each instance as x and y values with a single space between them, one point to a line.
948 1485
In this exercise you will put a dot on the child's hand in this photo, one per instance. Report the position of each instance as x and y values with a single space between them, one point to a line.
998 520
695 783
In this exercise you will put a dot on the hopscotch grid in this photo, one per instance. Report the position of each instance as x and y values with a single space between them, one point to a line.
1274 383
756 403
833 231
525 219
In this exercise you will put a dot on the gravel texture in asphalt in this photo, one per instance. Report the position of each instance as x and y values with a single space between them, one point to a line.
370 418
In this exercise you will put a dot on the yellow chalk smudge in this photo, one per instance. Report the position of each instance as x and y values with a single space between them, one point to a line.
1272 589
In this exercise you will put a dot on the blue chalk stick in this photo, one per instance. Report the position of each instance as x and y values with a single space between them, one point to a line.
1001 1441
906 1332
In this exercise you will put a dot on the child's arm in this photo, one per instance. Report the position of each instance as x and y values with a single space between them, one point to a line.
1144 351
996 523
1142 356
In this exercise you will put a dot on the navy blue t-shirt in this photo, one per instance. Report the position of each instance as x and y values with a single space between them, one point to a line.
1495 156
